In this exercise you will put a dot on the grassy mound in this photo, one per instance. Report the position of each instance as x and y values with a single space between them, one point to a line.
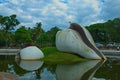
55 56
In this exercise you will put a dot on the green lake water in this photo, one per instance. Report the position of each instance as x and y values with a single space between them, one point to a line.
40 70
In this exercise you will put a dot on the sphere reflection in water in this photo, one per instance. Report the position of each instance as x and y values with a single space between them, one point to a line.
30 65
81 71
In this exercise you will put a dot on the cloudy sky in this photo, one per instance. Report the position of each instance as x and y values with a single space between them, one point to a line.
60 12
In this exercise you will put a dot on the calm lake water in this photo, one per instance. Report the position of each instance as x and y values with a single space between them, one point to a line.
39 70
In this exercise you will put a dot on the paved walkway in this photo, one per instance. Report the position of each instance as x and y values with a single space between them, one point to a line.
9 51
111 52
15 51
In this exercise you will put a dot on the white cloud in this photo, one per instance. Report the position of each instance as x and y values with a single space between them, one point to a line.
59 12
60 4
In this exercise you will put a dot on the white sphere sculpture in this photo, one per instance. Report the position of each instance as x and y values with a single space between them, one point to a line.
31 53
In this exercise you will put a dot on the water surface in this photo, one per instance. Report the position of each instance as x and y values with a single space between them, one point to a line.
40 70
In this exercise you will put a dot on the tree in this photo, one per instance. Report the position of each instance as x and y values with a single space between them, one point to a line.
2 39
8 23
52 34
48 38
98 33
113 29
106 32
43 40
36 31
22 35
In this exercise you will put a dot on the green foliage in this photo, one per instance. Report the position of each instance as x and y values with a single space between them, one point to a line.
106 32
8 22
98 32
52 34
6 38
2 38
43 38
36 31
22 35
47 38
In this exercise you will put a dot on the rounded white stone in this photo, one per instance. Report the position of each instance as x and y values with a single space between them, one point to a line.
31 52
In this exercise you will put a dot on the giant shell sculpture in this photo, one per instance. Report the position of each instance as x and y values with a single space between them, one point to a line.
77 40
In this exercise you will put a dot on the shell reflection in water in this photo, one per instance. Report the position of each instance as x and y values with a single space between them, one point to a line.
81 71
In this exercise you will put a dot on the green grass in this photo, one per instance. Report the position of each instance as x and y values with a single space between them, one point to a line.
52 55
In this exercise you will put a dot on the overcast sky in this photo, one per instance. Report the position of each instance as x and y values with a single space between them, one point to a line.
60 12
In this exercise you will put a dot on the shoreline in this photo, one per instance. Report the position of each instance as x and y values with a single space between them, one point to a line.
111 52
15 51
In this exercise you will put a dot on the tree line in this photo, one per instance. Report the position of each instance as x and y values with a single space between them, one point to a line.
23 36
9 37
107 32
